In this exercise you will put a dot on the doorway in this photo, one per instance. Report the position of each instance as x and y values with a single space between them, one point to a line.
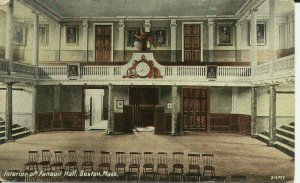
95 109
143 101
103 43
192 47
195 108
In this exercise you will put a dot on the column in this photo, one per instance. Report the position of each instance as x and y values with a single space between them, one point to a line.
35 45
253 39
253 111
234 96
273 29
58 42
9 36
122 40
174 111
173 26
272 116
211 26
34 106
56 100
85 37
8 113
110 124
238 38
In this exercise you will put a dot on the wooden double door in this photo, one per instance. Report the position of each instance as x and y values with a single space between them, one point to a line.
192 42
195 109
103 43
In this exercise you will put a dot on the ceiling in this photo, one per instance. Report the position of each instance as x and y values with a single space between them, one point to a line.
113 8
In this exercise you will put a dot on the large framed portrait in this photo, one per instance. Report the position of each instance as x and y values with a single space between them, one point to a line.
43 34
160 36
224 34
260 33
19 34
71 36
73 71
211 72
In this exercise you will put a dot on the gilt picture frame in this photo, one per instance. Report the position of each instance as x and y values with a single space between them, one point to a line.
19 33
224 34
71 35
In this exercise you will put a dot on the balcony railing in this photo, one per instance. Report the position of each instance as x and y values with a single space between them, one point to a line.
18 69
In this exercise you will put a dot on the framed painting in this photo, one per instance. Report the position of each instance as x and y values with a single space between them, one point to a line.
19 34
224 34
130 32
43 34
160 36
211 72
73 71
71 36
260 33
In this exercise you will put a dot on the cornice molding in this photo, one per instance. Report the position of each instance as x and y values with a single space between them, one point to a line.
244 12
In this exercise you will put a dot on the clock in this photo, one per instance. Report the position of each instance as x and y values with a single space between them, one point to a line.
142 69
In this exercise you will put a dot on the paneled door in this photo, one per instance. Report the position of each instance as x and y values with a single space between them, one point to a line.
103 40
192 42
195 108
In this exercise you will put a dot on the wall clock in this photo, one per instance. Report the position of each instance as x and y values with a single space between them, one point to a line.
142 69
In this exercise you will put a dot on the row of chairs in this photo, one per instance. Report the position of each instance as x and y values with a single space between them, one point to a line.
121 162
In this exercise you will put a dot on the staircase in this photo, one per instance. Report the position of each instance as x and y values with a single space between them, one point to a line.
17 131
285 138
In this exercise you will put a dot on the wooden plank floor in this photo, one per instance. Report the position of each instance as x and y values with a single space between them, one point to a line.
234 154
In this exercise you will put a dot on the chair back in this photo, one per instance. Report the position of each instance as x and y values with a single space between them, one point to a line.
135 158
208 159
33 156
194 159
59 156
162 158
121 157
88 156
46 155
178 157
105 157
73 156
148 158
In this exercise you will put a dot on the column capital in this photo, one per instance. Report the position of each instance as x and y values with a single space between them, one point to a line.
173 23
147 25
211 22
35 12
121 23
254 10
85 23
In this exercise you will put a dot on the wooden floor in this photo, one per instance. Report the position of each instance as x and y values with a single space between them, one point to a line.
234 154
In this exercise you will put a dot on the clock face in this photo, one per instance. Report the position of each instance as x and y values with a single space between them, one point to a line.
142 69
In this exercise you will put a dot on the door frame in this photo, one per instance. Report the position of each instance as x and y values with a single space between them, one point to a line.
112 40
182 39
208 104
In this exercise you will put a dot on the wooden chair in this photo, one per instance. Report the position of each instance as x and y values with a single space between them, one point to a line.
194 167
46 160
208 164
32 164
105 161
120 166
148 167
88 161
162 166
178 172
58 164
238 178
72 164
134 166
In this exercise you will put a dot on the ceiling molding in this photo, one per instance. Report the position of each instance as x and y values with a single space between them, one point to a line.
40 8
244 12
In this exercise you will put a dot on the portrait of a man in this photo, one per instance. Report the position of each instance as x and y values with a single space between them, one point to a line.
43 34
19 34
71 34
211 72
261 33
224 36
73 71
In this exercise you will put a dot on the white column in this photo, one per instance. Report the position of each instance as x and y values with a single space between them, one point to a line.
58 42
110 124
174 111
253 38
273 27
238 41
56 100
173 26
234 95
122 40
85 38
211 26
35 45
9 36
272 116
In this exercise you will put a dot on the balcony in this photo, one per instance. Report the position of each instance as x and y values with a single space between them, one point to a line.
238 74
